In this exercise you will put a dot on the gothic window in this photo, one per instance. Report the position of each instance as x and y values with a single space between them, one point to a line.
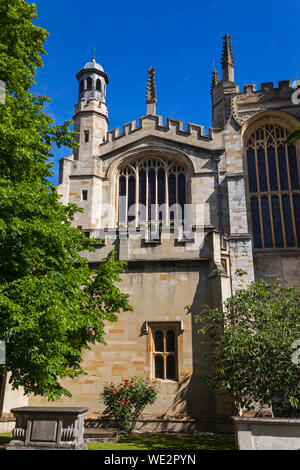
164 352
149 187
274 187
89 83
98 84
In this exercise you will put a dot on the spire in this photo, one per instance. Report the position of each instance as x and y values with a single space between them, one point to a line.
151 92
227 60
214 81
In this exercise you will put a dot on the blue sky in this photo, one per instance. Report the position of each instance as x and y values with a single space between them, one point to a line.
181 40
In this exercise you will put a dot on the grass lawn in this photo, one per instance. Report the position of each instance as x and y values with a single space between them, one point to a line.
158 442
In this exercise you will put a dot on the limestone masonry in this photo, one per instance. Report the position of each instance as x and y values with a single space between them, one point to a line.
237 190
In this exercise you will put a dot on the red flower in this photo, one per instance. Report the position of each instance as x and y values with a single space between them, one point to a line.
124 386
126 381
121 401
130 385
125 404
152 390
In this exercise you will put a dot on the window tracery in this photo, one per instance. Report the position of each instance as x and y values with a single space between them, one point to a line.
152 189
274 188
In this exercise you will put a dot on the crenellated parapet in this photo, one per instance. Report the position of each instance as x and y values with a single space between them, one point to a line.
173 127
252 100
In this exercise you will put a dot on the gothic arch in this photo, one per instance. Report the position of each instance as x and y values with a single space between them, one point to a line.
151 152
272 180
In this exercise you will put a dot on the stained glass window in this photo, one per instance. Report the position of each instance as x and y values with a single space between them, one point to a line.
158 184
274 187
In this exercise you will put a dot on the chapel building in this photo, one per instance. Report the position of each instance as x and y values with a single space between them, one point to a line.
185 210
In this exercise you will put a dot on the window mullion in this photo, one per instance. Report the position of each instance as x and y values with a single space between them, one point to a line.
259 194
269 190
156 194
126 207
147 195
137 193
167 196
280 194
290 190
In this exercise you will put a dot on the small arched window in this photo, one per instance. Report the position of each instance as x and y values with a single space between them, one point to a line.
89 83
152 189
81 86
98 84
274 187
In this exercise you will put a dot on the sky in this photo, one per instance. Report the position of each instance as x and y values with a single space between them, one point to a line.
182 40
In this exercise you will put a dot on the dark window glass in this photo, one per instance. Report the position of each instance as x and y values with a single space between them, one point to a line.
181 192
151 193
142 188
277 222
255 223
82 85
172 189
89 83
251 171
159 341
282 168
286 205
86 136
262 169
293 167
131 197
171 368
161 190
296 201
170 341
122 203
84 195
159 367
272 169
266 222
98 84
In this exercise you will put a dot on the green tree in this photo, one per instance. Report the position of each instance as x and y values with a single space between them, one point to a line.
294 135
253 334
52 305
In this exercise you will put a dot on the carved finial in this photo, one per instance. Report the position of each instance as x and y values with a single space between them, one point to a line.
227 60
215 80
151 92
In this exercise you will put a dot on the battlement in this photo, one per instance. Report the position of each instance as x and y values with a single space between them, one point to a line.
172 127
283 85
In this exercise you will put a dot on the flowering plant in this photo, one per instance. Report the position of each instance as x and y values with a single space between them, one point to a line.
127 400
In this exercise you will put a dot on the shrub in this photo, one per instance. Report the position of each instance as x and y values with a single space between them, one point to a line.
126 401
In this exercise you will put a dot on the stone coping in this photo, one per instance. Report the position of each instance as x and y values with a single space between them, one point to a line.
241 419
50 409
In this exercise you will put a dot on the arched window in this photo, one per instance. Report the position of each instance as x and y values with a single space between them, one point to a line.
274 187
98 84
152 189
89 83
81 86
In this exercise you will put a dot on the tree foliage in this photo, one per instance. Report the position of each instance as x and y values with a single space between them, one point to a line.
52 305
253 333
294 135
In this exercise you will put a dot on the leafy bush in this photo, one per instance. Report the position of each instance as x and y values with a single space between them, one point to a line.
254 333
126 401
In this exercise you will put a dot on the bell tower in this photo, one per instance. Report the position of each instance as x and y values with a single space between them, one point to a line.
91 113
